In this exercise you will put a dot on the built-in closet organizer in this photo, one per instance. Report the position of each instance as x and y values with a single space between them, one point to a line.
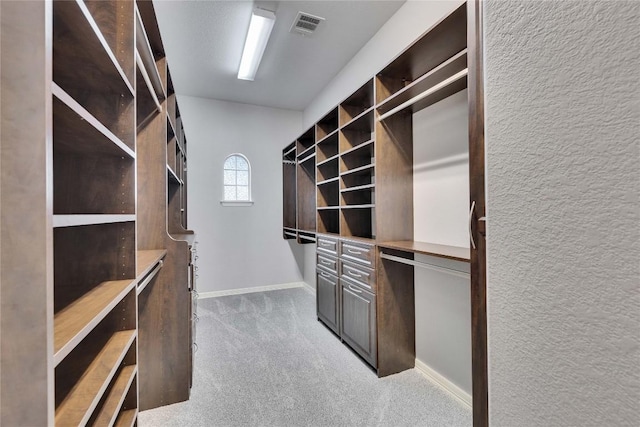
166 303
95 293
364 200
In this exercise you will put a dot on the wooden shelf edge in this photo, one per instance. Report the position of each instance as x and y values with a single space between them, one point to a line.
96 29
358 188
91 308
127 418
328 208
306 150
367 206
328 160
309 157
325 138
358 117
71 103
146 259
77 407
111 407
357 147
60 221
360 169
456 253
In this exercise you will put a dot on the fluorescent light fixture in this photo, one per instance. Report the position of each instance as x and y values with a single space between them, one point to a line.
259 31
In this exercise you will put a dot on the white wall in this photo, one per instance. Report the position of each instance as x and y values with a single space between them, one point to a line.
440 203
442 301
239 247
562 124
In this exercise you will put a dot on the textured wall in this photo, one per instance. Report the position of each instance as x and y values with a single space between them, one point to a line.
562 108
239 247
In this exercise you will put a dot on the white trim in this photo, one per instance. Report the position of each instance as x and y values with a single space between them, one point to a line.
455 391
309 288
216 294
236 202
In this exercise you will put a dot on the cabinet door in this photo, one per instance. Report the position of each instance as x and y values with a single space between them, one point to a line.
327 298
358 327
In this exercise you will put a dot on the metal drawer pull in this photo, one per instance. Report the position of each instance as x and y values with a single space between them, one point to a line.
473 206
325 262
353 274
356 290
324 243
323 274
354 252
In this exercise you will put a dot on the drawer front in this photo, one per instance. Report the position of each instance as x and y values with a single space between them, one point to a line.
327 262
327 245
362 276
357 252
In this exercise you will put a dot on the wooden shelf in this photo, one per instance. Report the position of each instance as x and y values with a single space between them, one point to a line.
327 181
173 178
83 50
148 83
358 170
328 208
309 157
77 130
114 400
330 159
368 206
77 407
359 122
306 152
360 146
443 251
358 188
73 323
127 418
60 221
327 125
327 137
146 260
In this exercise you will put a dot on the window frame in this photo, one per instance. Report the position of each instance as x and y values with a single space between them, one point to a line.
247 202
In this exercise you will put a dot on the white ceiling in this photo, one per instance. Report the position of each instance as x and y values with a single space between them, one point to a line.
204 39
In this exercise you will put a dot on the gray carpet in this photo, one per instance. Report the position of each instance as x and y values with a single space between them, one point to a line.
264 360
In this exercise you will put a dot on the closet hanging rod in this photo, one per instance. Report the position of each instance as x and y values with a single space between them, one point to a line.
425 265
147 80
430 91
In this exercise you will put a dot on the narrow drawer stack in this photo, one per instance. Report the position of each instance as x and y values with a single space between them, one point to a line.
346 288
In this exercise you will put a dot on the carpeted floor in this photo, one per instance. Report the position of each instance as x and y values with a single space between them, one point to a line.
264 360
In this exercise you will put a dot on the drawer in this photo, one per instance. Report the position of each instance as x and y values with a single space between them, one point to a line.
327 262
327 245
358 274
358 252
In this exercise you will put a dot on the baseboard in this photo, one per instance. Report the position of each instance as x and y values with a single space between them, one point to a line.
214 294
309 288
445 384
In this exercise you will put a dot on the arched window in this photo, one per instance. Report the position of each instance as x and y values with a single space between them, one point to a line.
237 180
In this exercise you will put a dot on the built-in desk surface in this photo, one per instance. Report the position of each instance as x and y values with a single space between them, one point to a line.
443 251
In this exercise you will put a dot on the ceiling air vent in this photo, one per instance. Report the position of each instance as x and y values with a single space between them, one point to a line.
305 24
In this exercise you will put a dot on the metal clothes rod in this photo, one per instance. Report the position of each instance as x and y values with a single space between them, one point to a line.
425 265
147 80
150 276
424 94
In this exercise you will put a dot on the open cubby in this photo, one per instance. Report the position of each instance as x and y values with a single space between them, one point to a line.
327 170
327 148
86 256
362 176
327 125
357 222
328 194
360 196
357 157
85 68
306 143
329 221
356 104
357 132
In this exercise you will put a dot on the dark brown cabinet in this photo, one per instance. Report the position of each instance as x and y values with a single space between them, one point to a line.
327 299
358 326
